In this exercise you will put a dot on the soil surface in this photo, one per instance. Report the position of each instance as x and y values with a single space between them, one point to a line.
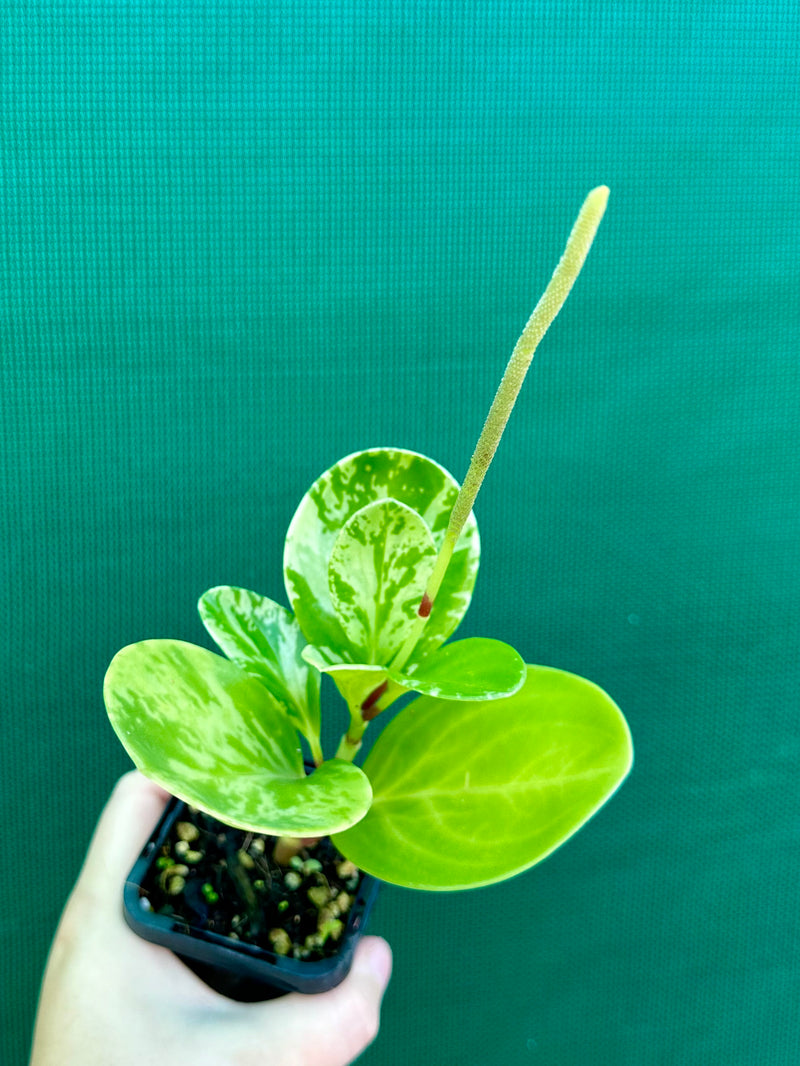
209 876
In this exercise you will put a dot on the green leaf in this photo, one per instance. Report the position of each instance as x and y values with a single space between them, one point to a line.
353 483
477 668
379 566
214 736
466 794
265 640
355 681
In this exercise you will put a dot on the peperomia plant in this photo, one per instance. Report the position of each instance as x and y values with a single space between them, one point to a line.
492 764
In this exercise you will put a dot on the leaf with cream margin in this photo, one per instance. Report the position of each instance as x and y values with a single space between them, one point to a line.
211 734
265 640
353 483
469 794
379 566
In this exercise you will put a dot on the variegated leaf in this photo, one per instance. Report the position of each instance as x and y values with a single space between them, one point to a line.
378 569
214 736
264 639
353 483
466 794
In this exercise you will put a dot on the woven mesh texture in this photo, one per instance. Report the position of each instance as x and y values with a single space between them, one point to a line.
242 239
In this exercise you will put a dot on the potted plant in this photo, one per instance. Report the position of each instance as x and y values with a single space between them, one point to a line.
265 869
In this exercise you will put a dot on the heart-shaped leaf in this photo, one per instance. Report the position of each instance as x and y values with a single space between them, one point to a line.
214 736
466 794
378 569
265 640
353 483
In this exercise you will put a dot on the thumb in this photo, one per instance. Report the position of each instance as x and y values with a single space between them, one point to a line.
334 1027
128 817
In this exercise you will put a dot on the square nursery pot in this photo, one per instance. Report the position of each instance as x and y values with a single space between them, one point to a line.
187 904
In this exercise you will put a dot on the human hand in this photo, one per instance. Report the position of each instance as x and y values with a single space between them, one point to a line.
110 998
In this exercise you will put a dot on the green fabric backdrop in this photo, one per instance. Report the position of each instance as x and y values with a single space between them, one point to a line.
241 239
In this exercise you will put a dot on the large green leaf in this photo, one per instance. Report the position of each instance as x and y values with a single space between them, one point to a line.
466 794
264 639
379 566
214 736
353 483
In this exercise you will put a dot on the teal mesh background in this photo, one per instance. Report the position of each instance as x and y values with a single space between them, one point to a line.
241 239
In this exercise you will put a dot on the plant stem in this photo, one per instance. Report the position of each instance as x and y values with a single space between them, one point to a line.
362 711
287 847
348 746
316 750
551 302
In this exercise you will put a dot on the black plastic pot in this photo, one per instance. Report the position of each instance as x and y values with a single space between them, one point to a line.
237 969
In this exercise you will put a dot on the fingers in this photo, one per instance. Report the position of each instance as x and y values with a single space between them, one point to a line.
127 819
329 1029
332 1028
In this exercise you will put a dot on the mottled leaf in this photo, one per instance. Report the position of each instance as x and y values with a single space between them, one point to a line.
466 794
264 639
353 483
214 736
379 566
